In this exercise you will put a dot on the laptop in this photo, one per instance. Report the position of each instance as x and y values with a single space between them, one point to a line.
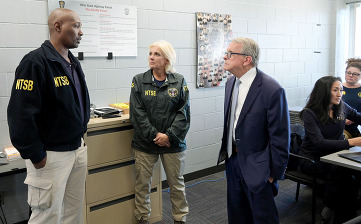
354 156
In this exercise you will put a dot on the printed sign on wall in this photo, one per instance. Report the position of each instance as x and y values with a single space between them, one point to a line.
214 33
106 27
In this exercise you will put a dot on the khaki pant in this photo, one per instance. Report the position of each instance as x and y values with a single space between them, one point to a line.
173 164
56 191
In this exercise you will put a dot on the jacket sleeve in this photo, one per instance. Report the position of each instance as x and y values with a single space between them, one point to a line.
319 146
279 133
352 114
180 126
138 115
24 111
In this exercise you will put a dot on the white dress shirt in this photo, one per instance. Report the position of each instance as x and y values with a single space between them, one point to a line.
246 81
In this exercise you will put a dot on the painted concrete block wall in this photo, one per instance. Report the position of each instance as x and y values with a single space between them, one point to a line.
289 33
342 43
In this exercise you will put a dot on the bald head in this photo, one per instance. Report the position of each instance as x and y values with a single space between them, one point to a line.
60 15
65 29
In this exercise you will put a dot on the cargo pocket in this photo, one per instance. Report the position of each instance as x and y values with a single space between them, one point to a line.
39 192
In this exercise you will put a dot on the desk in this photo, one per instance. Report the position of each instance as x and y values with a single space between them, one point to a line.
335 159
110 183
14 167
110 174
14 190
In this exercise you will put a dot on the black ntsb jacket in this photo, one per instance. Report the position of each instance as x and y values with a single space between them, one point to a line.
162 109
44 109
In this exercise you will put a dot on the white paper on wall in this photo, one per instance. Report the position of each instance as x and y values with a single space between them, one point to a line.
106 27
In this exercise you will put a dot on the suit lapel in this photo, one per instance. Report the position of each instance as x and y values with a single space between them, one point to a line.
253 92
229 90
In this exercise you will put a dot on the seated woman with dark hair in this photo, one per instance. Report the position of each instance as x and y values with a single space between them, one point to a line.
324 120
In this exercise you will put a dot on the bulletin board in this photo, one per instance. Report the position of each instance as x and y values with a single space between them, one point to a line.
214 33
107 28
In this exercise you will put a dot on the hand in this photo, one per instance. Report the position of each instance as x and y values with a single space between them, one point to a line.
40 164
348 122
354 141
270 179
162 140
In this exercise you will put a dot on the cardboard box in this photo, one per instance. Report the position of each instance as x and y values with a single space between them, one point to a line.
12 153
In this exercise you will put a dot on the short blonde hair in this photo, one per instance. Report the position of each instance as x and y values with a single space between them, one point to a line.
169 54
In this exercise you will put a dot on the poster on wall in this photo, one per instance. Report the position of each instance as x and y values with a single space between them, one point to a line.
214 32
106 27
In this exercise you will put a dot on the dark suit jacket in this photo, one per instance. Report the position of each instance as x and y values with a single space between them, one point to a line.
262 131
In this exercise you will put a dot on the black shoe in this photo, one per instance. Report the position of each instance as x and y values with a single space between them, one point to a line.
327 215
179 222
142 221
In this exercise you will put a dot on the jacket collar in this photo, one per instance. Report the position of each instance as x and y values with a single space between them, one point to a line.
148 77
52 54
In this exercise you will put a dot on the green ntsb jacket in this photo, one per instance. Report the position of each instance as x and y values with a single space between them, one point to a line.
162 109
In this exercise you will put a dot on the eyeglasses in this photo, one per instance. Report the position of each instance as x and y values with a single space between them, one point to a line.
353 74
229 54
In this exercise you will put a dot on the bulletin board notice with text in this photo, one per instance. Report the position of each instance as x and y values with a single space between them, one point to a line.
106 27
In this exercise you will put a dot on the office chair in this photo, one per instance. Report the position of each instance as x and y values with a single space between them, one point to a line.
293 171
301 178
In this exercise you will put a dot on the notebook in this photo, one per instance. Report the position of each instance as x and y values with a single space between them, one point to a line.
354 156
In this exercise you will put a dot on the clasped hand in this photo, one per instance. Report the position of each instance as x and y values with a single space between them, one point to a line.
162 140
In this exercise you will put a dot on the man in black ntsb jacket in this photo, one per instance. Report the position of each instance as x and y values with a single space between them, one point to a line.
48 114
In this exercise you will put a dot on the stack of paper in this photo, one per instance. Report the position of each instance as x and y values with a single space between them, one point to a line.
12 153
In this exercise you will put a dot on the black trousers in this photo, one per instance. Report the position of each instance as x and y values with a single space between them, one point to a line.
245 206
341 190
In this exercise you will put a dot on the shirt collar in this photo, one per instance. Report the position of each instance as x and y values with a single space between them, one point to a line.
66 63
166 78
249 76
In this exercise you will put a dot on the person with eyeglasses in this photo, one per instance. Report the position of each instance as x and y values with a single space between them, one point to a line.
256 136
352 93
324 118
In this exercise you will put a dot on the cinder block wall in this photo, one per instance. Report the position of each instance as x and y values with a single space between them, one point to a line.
288 31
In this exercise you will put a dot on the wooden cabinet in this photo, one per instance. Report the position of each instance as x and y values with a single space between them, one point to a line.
111 178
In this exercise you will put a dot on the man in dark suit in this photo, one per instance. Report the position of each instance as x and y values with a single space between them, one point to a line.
256 136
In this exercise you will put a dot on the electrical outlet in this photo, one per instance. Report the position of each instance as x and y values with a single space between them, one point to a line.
2 197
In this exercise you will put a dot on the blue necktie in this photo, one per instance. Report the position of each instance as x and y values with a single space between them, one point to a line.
232 116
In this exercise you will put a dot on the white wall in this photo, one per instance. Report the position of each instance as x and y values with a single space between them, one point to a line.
288 32
342 38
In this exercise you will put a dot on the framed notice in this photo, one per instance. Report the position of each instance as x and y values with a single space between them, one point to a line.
106 27
214 32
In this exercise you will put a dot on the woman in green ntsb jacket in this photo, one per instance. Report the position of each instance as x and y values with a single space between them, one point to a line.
160 114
